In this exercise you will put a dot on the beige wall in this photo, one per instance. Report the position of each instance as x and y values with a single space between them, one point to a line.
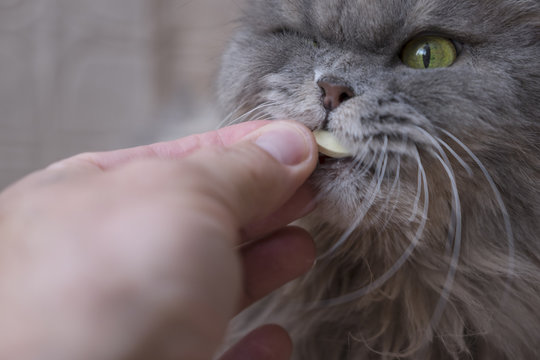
83 75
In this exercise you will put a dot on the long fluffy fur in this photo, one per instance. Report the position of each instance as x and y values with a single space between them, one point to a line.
428 238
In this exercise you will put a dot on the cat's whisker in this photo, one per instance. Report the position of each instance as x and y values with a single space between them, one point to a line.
379 172
456 214
452 228
362 167
380 175
260 116
455 228
397 182
372 189
382 169
412 349
359 165
394 207
380 281
227 120
444 158
259 110
246 116
433 141
358 162
502 207
343 238
425 186
391 193
456 156
417 198
364 208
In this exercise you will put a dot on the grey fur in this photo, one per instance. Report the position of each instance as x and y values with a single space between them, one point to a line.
444 188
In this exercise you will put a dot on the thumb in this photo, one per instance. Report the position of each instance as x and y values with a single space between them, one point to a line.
255 176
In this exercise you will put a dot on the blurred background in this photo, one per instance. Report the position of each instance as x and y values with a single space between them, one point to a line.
88 75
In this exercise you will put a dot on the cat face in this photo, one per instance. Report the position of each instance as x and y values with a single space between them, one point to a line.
419 120
438 101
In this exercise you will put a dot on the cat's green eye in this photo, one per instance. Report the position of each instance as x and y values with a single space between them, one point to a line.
429 52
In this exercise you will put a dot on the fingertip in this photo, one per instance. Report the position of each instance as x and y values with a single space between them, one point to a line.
249 177
290 143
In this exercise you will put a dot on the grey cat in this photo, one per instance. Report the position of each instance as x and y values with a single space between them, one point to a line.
429 235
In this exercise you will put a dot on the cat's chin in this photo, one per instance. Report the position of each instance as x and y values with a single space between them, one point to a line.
352 193
340 194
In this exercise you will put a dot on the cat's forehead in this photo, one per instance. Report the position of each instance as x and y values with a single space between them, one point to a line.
381 22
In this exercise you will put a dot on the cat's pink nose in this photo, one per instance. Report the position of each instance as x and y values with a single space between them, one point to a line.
334 93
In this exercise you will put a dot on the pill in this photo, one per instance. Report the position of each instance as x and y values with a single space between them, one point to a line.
329 145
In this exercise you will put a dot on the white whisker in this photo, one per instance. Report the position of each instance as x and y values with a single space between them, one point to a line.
246 116
417 198
435 144
362 168
502 207
394 207
457 157
232 113
395 184
377 180
398 264
456 212
359 164
446 161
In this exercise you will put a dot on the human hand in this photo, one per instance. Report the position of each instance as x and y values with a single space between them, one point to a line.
137 253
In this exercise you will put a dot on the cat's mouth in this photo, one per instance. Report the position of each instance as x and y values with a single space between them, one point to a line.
323 159
329 161
372 165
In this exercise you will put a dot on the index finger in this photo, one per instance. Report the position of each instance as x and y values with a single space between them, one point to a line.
174 149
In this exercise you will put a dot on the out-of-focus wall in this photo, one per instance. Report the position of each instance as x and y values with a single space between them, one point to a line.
87 75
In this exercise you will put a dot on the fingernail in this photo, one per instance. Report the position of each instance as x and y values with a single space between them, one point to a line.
286 142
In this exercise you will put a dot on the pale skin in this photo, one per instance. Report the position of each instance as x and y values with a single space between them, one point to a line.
141 253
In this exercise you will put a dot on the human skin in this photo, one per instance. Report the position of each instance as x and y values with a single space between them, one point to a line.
147 253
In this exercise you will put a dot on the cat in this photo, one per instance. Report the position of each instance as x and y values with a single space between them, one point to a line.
428 236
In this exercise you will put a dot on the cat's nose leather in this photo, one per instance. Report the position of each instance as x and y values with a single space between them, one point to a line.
335 93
